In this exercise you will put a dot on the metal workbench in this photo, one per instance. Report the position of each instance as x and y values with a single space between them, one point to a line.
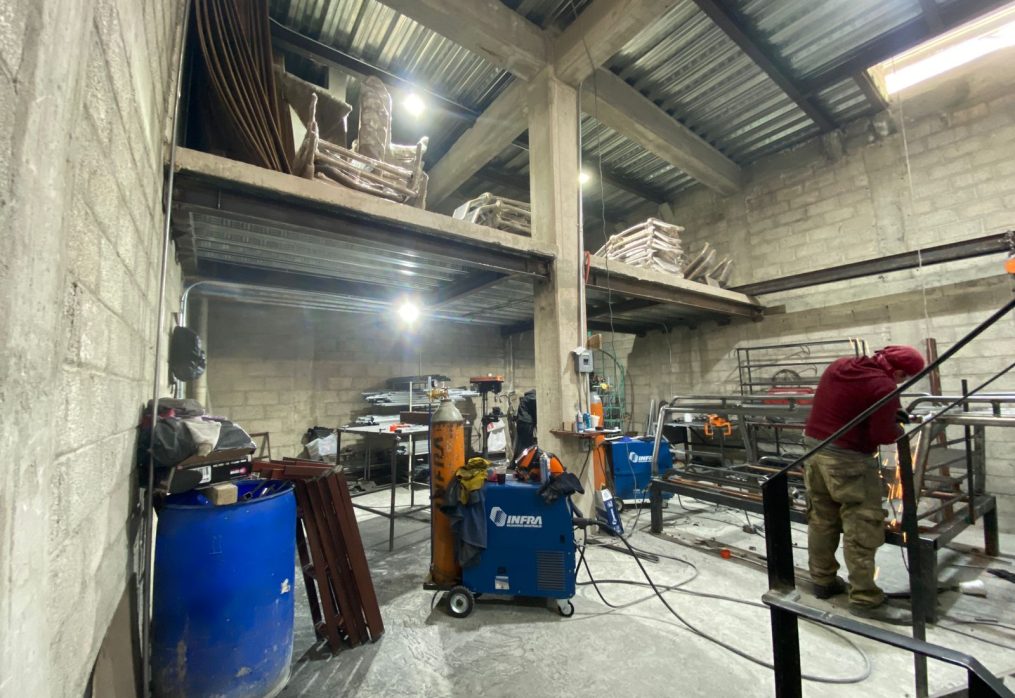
406 434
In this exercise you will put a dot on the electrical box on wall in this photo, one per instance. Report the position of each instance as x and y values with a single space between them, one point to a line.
582 360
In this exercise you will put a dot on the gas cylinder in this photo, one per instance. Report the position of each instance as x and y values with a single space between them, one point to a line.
447 455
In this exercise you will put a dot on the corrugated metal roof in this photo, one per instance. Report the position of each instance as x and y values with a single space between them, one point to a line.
809 34
378 35
683 62
691 69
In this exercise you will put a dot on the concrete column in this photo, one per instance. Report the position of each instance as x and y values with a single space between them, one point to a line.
559 304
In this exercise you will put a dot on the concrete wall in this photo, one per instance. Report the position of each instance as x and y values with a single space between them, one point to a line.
817 207
84 93
283 370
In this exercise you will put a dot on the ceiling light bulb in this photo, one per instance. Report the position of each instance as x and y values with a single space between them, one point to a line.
584 177
414 104
408 312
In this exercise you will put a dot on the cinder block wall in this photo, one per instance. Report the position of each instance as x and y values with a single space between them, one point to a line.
85 92
283 370
812 208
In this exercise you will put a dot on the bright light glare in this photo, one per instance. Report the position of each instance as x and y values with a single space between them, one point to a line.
414 104
408 312
948 58
584 177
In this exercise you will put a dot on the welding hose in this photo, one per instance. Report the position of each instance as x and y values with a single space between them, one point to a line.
657 592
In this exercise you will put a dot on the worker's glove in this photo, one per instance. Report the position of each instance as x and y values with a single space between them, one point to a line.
902 417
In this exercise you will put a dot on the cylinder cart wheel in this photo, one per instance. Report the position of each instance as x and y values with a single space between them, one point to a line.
460 602
566 608
619 503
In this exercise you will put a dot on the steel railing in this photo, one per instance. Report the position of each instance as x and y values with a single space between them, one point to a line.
784 609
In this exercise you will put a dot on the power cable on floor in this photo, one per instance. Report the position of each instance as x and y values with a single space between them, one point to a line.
658 593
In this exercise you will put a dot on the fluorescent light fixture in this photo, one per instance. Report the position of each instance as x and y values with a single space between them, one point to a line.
584 177
408 312
414 104
951 50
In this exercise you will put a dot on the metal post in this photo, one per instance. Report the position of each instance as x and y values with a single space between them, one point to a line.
655 502
967 436
394 479
917 581
782 577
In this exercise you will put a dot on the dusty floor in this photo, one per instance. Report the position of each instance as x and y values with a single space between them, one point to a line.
527 649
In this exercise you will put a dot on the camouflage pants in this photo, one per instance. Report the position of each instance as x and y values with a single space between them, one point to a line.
844 496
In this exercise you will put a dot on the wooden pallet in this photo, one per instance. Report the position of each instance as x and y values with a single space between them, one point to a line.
340 592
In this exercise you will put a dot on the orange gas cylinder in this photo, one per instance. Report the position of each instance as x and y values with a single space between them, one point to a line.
447 455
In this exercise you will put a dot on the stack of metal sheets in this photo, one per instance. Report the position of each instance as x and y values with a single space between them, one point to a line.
653 244
497 212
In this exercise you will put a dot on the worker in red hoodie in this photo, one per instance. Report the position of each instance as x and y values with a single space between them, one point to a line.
843 479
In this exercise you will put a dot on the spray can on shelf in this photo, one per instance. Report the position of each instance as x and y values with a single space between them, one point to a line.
596 409
447 455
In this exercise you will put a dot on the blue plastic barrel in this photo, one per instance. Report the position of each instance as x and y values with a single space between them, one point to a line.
222 605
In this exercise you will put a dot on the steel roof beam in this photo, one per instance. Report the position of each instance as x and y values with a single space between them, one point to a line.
471 283
738 29
939 254
293 41
598 326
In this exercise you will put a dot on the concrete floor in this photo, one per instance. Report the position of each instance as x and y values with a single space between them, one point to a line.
527 649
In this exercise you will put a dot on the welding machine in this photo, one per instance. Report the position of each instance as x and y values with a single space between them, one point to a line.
530 550
631 463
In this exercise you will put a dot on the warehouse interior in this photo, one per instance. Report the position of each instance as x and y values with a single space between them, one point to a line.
294 275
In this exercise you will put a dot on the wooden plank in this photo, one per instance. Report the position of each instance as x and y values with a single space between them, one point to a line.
352 622
309 582
341 575
357 555
332 617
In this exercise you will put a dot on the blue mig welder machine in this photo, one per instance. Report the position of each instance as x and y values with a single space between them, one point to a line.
530 550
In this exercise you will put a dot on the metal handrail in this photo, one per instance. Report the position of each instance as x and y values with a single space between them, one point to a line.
979 677
779 547
903 387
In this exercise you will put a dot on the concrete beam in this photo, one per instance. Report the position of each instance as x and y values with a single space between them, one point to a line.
488 28
498 126
203 178
633 115
600 32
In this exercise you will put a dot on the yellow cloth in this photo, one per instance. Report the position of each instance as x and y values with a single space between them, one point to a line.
471 477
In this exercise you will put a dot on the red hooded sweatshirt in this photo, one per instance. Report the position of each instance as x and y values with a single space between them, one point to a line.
848 387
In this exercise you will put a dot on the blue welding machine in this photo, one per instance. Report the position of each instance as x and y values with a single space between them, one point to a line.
631 462
530 549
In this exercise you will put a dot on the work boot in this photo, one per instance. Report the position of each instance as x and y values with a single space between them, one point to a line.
827 591
893 615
